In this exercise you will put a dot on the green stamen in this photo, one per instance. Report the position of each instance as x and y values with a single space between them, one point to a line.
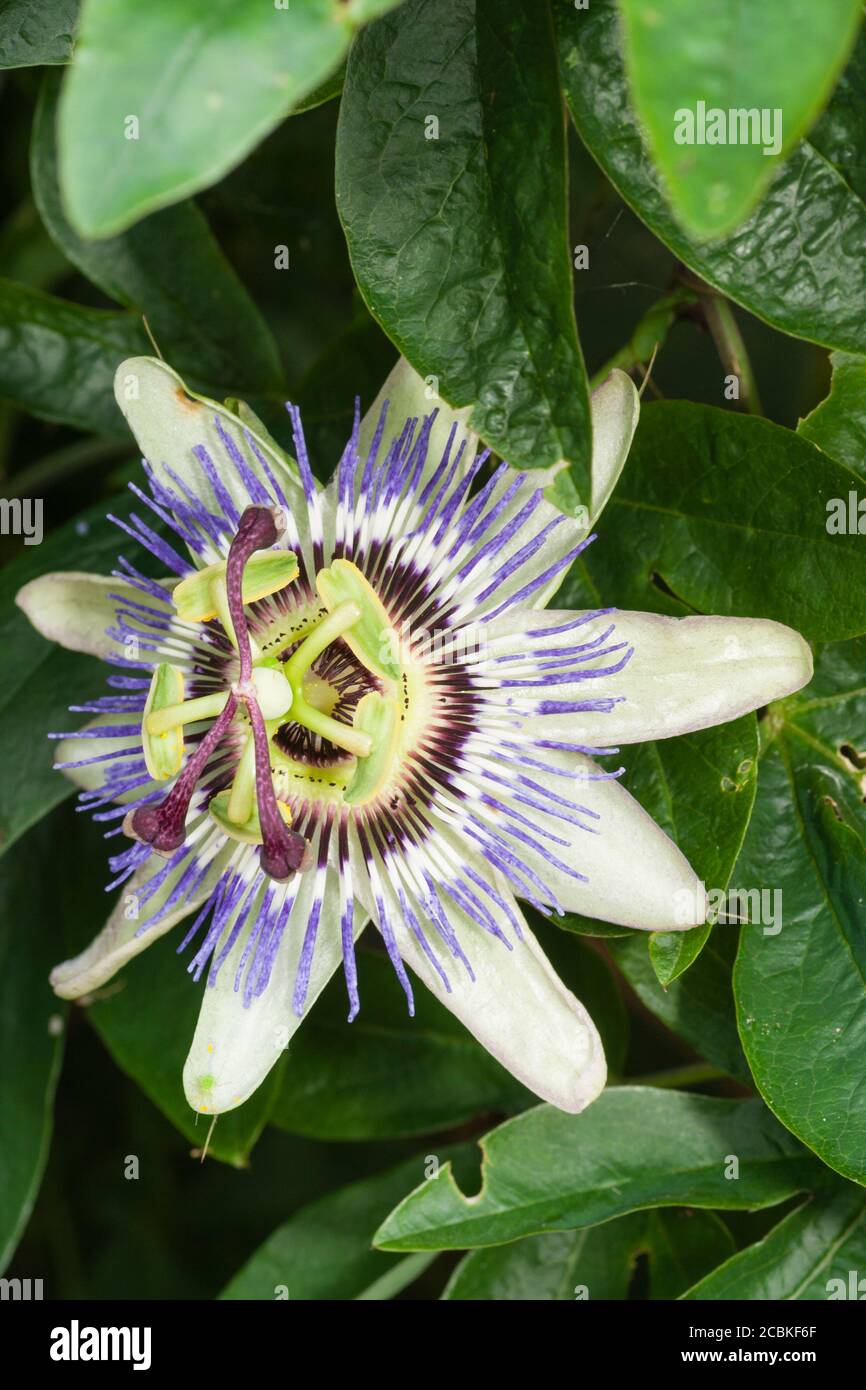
241 801
163 718
337 624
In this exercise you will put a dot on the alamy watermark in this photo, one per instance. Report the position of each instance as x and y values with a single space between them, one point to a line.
731 907
712 125
22 516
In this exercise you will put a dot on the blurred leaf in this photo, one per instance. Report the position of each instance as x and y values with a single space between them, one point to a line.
205 83
800 990
596 1263
58 359
32 1028
33 34
39 685
654 1148
458 231
325 1250
388 1074
146 1018
781 57
726 513
170 269
811 1254
838 424
796 262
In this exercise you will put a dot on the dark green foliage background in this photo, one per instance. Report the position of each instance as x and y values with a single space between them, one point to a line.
456 250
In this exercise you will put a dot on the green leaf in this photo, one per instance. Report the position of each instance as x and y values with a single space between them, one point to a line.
597 1263
800 991
811 1254
779 59
57 359
325 1250
150 1044
168 268
699 1004
34 34
726 513
632 1148
388 1075
39 685
458 230
205 83
32 1027
838 424
796 262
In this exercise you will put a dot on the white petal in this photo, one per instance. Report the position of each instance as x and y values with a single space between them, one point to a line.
169 421
409 397
74 610
517 1007
117 943
234 1046
634 874
684 673
615 409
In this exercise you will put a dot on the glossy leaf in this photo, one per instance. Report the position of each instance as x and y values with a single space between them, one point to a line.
35 34
57 359
838 424
796 262
163 99
32 1029
812 1254
168 268
457 229
325 1250
800 990
780 58
655 1148
595 1263
726 513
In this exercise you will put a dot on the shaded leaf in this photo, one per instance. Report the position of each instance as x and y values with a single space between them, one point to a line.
595 1263
812 1254
34 34
32 1028
457 231
800 990
58 359
838 424
325 1250
726 513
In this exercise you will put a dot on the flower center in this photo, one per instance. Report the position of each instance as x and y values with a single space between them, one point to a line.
277 702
